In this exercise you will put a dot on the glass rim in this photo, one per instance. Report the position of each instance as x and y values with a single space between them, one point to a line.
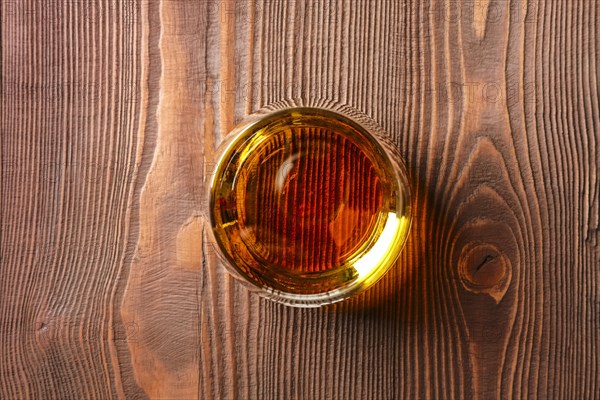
374 133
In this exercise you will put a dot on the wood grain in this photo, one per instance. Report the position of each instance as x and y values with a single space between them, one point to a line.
71 155
111 111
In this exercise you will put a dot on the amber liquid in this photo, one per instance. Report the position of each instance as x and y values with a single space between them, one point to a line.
311 200
300 198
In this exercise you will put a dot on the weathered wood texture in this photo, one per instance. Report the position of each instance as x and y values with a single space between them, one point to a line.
110 110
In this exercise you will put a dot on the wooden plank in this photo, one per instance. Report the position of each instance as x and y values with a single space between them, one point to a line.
112 110
72 102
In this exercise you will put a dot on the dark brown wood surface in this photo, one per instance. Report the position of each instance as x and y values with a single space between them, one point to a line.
111 109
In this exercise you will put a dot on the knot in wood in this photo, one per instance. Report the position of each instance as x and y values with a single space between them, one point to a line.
484 269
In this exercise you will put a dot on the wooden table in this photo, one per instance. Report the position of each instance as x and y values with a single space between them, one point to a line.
112 109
